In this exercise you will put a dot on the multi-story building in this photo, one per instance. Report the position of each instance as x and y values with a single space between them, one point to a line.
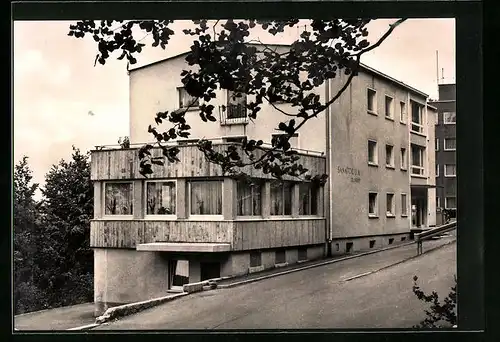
188 222
445 149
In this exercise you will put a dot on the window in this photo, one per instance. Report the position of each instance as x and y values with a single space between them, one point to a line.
249 198
233 140
450 144
236 105
417 123
417 160
389 107
186 100
206 197
437 144
389 156
390 205
255 259
404 205
450 202
118 198
372 101
449 118
308 199
402 112
372 152
438 202
450 170
281 198
372 243
302 253
372 204
160 198
403 158
280 256
437 170
436 118
293 140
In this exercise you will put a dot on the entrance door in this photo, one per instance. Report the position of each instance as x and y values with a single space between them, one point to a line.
178 273
417 212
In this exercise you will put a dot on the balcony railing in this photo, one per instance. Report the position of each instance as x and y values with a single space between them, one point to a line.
233 114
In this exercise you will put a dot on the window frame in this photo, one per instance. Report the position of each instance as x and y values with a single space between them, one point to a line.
103 200
447 122
205 217
179 96
372 111
402 112
261 187
436 144
437 170
310 186
449 149
446 202
283 198
392 159
404 158
405 213
228 105
419 167
447 174
376 212
421 124
375 162
388 213
438 202
391 107
159 216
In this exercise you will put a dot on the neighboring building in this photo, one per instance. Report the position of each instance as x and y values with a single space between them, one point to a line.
446 148
188 223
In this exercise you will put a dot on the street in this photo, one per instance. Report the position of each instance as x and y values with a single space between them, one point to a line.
330 296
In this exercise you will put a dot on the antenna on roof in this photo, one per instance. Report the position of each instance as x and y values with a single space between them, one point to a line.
437 67
442 74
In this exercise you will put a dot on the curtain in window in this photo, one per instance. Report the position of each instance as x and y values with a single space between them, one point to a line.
206 198
160 198
281 198
118 199
249 198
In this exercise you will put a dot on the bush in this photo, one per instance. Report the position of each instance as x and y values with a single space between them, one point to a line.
440 315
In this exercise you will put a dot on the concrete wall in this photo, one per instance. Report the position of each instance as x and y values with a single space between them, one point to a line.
352 126
431 165
154 89
125 276
339 246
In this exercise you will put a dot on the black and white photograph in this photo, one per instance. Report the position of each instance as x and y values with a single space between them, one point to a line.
234 174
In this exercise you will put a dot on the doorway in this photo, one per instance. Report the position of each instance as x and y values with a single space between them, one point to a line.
417 212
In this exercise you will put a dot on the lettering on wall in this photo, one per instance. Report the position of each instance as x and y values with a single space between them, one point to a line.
354 174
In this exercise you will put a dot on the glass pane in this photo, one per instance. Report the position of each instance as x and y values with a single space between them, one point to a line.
118 199
206 198
276 198
244 194
451 144
160 198
304 200
256 198
287 189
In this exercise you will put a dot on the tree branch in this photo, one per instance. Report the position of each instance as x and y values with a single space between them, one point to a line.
392 27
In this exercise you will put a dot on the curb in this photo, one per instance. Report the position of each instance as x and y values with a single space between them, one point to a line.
85 327
248 281
128 309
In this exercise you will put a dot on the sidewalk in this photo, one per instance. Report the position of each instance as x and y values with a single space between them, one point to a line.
56 319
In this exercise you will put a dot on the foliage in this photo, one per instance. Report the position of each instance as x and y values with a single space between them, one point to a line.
222 57
124 142
53 263
439 315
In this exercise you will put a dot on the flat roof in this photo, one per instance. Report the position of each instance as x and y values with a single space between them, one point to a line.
363 66
184 247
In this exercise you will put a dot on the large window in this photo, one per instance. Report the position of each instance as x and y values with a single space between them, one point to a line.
390 205
404 205
249 198
402 112
186 100
450 203
389 156
449 118
236 105
389 107
371 101
372 152
372 204
417 121
450 170
417 160
205 197
308 199
403 159
450 144
160 198
281 198
118 198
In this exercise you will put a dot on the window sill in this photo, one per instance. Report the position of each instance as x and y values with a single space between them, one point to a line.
283 264
404 169
161 217
446 149
372 216
418 133
372 164
253 269
389 167
390 118
205 217
402 122
448 176
418 176
372 112
450 123
390 215
117 217
404 215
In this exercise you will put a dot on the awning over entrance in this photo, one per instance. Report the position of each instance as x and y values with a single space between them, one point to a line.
183 247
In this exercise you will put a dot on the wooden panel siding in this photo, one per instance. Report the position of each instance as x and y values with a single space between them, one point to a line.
277 233
124 164
129 233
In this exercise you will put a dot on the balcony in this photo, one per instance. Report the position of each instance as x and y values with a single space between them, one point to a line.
233 114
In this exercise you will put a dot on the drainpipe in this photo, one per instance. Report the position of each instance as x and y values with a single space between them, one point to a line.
328 210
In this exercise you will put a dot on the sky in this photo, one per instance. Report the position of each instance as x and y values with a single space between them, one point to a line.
56 84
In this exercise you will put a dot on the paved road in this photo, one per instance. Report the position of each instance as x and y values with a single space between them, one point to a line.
56 319
322 297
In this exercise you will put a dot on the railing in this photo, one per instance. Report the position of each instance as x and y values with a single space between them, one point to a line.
429 234
233 114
